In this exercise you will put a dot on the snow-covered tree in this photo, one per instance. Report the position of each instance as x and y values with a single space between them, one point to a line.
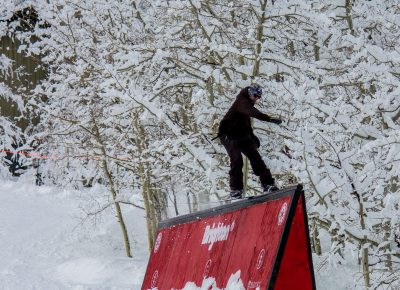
19 73
349 117
135 91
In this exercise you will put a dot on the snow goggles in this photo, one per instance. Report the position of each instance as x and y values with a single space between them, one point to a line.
255 91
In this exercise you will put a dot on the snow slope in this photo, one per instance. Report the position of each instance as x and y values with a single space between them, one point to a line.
44 245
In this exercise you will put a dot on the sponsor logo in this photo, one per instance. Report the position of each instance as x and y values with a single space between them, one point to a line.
157 243
253 285
282 213
216 233
154 280
260 259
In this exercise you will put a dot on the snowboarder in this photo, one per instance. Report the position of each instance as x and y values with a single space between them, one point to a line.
236 135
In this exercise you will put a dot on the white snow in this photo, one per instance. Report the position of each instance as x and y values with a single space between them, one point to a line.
44 244
234 283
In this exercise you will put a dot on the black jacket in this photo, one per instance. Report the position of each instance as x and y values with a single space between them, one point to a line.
236 123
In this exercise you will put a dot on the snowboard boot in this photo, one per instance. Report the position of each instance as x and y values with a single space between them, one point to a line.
269 188
236 193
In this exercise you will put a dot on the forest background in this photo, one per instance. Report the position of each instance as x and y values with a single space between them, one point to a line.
130 94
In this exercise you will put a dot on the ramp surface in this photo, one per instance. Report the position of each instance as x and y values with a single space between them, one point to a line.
266 238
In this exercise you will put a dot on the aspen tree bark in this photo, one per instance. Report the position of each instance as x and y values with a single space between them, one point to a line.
113 191
386 230
316 47
151 205
175 203
158 207
334 233
245 174
163 204
365 264
117 207
152 211
155 202
147 207
348 17
145 184
189 203
314 233
316 243
148 200
210 90
364 248
195 203
241 58
246 171
259 37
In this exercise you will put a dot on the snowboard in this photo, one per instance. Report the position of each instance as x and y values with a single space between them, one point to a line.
246 197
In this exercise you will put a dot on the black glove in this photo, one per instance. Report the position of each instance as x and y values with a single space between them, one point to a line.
276 121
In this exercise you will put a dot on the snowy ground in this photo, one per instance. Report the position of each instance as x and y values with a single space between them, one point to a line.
44 245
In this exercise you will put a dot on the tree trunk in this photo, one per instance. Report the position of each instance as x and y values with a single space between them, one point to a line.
316 47
146 191
113 191
117 209
147 206
195 203
365 264
245 174
348 5
189 202
316 243
386 229
259 37
153 214
364 249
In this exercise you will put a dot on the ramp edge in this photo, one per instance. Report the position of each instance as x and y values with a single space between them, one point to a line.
285 192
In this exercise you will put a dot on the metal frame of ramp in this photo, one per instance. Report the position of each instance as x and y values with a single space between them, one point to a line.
266 238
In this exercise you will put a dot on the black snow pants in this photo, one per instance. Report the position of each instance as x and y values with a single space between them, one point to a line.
248 147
